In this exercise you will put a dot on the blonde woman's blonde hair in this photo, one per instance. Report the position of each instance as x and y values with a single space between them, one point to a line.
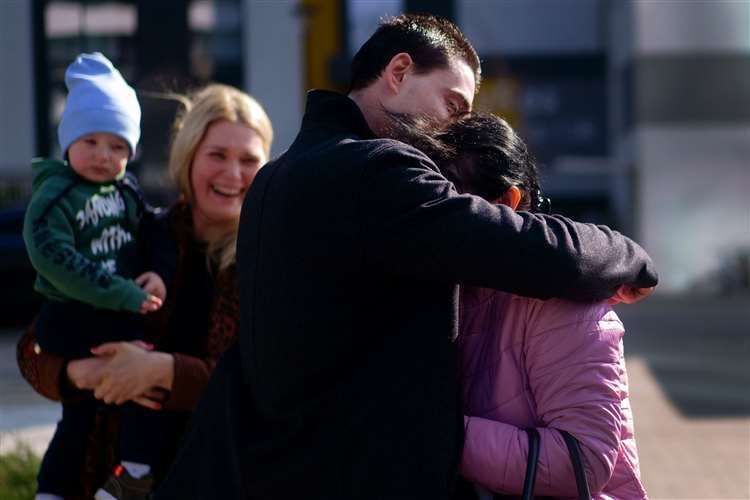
202 109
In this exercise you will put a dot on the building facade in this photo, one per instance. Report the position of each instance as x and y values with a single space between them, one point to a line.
637 111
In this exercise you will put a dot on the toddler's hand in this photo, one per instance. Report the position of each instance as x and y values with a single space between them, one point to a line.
153 284
151 304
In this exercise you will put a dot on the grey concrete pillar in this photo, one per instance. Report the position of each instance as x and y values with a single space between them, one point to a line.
274 66
16 91
681 117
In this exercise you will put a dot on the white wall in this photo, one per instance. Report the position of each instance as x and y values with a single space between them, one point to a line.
692 190
689 26
17 130
694 198
274 65
364 18
511 27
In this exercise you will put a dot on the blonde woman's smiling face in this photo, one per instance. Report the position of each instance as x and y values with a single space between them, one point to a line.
224 166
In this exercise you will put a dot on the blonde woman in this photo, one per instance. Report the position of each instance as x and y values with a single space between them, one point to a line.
221 140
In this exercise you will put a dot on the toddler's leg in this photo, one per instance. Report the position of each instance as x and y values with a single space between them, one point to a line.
60 471
142 435
67 329
141 429
142 442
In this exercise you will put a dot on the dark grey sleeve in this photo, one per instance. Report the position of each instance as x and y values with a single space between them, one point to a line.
417 224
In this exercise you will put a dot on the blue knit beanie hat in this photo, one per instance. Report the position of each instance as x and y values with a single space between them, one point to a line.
99 100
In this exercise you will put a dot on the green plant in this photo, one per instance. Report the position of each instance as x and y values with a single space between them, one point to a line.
18 474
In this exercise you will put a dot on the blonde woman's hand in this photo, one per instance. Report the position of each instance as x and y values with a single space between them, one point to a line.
85 373
152 399
131 371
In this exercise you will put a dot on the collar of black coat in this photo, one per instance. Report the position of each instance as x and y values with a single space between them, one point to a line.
337 111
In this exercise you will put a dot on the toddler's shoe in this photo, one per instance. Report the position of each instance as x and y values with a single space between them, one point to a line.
122 486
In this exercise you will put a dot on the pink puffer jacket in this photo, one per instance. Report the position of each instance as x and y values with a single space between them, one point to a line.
552 365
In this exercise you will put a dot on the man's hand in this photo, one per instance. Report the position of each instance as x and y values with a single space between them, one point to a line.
130 372
629 295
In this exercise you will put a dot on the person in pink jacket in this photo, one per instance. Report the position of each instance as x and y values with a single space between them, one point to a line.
553 365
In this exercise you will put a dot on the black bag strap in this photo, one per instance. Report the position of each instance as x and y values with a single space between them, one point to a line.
575 457
574 450
531 464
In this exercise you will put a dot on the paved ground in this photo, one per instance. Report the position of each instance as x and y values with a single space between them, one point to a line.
19 406
689 367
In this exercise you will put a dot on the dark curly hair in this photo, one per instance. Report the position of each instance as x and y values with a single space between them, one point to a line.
480 154
490 157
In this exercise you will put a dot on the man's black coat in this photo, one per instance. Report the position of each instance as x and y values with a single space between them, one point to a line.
344 383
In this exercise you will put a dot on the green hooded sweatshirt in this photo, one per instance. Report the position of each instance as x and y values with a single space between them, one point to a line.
80 237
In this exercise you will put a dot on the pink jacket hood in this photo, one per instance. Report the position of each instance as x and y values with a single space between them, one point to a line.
552 365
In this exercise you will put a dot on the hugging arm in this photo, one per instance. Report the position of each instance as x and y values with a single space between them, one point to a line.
417 224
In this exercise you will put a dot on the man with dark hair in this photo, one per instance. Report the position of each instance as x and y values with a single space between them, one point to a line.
430 41
344 382
443 70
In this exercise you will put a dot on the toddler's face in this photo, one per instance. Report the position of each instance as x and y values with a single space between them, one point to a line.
98 157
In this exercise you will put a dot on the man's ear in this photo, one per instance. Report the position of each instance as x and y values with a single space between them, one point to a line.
399 66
